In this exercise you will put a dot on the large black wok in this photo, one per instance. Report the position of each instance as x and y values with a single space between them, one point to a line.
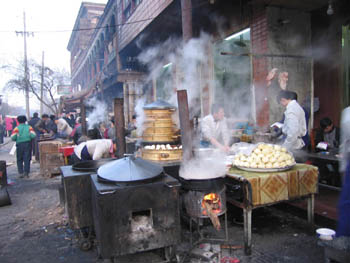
91 166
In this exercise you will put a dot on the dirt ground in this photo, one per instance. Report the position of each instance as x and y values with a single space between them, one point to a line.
34 229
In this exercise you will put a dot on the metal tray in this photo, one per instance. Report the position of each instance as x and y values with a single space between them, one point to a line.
265 170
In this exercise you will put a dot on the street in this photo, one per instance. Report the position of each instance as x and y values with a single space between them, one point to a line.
34 229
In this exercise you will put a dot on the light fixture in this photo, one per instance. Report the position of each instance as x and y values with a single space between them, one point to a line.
330 10
238 34
167 65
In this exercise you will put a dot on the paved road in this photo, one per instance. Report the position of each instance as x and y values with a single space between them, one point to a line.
34 229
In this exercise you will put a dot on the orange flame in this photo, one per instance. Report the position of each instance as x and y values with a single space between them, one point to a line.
214 200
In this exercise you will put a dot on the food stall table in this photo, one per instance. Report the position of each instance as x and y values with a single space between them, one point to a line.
323 159
261 189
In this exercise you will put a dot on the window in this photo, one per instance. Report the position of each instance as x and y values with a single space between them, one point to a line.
233 87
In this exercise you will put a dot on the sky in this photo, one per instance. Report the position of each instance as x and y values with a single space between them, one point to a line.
51 21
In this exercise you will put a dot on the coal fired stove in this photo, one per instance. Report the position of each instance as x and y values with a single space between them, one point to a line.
135 207
205 199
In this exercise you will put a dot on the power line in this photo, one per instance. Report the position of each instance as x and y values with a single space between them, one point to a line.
80 29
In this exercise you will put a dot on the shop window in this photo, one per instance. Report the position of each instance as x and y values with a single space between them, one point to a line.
233 84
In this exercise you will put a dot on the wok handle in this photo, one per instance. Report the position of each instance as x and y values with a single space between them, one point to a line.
108 192
172 185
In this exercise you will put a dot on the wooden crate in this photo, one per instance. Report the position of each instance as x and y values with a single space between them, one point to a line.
50 158
50 164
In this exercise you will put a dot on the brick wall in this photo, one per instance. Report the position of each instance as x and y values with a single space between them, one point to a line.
259 45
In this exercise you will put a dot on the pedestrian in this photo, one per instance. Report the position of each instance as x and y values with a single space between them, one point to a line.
77 131
52 126
2 131
23 135
343 226
64 130
14 123
32 123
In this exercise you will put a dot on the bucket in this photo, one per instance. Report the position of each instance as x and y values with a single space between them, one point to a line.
4 197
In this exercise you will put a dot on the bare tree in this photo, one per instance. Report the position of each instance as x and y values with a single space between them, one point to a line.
52 78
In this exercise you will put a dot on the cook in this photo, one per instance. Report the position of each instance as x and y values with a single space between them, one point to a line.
294 126
214 129
94 150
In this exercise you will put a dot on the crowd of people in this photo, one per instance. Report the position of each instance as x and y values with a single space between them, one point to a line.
99 141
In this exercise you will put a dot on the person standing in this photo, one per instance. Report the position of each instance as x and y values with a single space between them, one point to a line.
294 126
32 123
2 131
23 135
64 130
343 225
214 129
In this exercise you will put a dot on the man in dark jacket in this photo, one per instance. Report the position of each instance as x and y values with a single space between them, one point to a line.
32 123
23 135
328 133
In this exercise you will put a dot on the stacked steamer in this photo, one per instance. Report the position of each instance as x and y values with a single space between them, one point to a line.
159 140
265 156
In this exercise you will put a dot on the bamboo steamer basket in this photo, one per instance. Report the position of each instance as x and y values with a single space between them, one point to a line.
159 130
159 123
160 114
162 155
159 126
162 138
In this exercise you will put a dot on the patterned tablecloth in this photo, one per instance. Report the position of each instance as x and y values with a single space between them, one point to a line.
272 187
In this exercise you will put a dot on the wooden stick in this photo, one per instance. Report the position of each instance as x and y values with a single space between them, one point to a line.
213 217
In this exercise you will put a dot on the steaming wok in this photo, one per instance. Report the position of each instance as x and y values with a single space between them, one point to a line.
91 166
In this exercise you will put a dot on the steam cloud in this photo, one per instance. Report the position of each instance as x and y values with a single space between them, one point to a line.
98 114
140 119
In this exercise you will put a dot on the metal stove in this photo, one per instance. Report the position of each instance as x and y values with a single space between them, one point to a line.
205 199
76 188
135 207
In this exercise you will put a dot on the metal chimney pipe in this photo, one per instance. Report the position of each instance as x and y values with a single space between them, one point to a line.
119 126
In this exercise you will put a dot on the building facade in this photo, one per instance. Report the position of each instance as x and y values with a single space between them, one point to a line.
146 48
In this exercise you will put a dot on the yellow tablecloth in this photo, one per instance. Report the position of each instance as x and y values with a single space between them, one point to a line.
272 187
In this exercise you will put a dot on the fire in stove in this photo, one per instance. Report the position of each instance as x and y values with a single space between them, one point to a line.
211 202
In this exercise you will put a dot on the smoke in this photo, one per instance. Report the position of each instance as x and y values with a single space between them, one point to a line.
140 119
98 114
186 59
207 165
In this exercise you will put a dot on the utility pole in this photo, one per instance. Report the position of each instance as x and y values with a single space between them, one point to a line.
26 80
26 66
42 86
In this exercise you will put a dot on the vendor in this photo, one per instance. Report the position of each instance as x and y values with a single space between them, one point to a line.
94 150
214 129
328 134
294 126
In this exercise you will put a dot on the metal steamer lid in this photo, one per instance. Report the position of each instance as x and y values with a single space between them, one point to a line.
129 169
159 105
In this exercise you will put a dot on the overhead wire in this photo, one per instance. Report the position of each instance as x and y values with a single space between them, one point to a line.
94 28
